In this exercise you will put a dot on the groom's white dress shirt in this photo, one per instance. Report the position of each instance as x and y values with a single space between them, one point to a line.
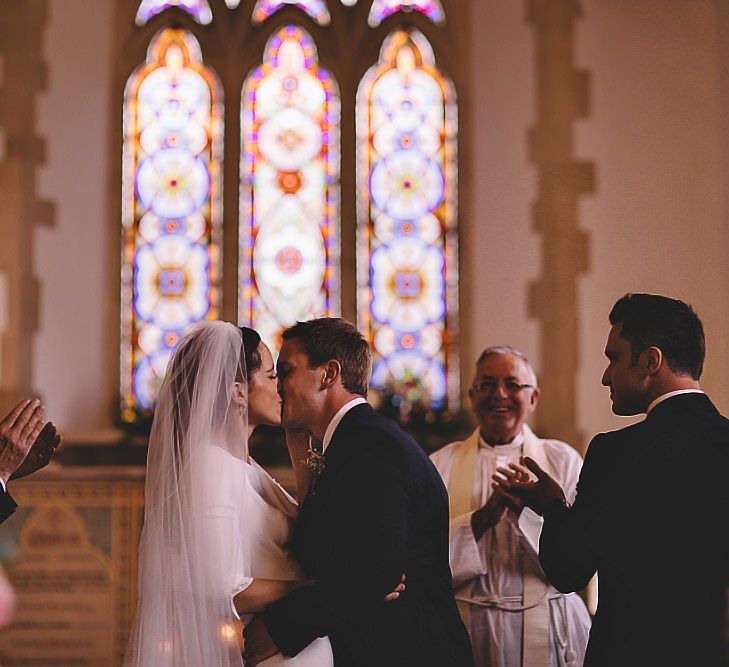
671 394
489 572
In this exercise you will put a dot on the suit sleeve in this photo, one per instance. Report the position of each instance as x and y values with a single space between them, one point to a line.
366 555
567 549
7 505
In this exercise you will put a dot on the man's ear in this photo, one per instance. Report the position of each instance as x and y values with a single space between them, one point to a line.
332 372
534 399
653 360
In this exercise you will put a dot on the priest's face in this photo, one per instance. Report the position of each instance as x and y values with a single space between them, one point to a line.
299 386
625 376
503 394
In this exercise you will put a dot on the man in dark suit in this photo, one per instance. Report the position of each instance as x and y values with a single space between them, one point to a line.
376 511
26 445
650 514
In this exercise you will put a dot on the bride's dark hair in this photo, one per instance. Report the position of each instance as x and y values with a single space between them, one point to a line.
251 355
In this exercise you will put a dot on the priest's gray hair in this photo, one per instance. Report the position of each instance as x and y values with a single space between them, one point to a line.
504 351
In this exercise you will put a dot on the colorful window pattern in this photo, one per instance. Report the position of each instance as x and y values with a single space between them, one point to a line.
171 210
407 245
314 8
198 9
381 9
289 207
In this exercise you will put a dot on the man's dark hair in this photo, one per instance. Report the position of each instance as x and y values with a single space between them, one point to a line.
329 338
650 320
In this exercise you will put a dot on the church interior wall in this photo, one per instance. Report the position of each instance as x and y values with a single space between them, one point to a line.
75 351
658 134
655 132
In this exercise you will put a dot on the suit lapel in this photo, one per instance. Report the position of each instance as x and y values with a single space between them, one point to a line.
340 437
311 527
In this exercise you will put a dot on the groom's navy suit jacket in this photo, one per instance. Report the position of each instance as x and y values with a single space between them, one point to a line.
651 516
379 509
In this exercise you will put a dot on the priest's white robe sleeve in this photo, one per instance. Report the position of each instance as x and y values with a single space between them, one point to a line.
466 557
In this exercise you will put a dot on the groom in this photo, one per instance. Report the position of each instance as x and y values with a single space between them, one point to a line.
651 509
378 509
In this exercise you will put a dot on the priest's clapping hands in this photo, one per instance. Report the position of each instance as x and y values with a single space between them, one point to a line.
520 488
495 509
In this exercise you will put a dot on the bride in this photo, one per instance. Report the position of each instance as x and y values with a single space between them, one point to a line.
213 547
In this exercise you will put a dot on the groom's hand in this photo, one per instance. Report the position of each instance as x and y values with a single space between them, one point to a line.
257 643
516 482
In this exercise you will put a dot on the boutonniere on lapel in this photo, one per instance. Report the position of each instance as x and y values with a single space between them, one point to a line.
315 461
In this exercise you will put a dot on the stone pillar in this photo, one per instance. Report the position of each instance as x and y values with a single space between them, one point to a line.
22 77
562 100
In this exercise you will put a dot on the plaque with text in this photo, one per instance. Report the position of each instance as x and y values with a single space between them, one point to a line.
70 552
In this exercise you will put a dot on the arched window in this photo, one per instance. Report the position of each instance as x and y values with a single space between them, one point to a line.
321 214
289 206
381 9
407 249
171 209
198 9
314 8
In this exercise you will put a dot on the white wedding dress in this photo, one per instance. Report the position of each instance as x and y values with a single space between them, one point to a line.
213 521
260 525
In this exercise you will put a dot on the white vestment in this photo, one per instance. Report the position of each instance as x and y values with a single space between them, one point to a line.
488 574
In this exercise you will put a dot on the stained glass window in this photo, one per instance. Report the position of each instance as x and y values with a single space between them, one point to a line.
317 9
198 9
289 207
171 209
381 9
407 245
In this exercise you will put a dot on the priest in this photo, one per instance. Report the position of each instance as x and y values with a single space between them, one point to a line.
513 615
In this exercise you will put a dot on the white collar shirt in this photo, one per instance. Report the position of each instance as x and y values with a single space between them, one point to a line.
517 441
671 394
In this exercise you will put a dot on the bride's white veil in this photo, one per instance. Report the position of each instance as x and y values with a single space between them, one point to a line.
195 486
